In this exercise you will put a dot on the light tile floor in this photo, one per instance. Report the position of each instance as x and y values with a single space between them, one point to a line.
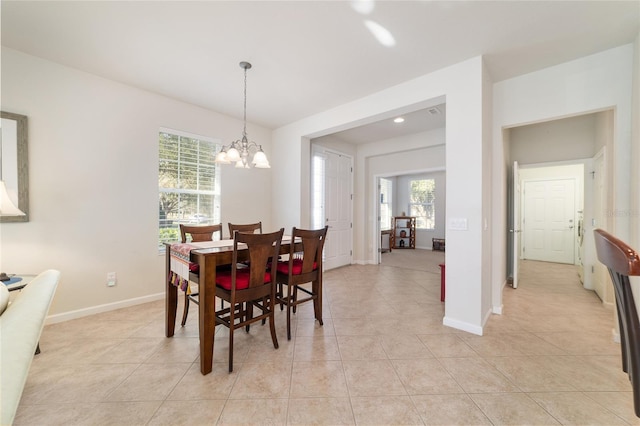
382 357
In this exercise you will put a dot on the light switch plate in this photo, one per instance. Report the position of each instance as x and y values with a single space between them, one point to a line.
458 224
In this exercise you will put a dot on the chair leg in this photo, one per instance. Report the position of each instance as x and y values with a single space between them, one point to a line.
295 297
317 301
232 321
249 315
280 295
289 300
185 311
272 325
264 303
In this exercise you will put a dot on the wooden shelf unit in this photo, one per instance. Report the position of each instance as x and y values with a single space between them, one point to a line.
406 224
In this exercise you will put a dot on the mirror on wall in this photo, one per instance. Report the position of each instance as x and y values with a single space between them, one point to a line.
14 165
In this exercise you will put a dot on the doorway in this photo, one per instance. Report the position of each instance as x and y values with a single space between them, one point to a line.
331 203
548 146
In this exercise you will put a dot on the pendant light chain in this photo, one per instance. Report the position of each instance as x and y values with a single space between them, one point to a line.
244 130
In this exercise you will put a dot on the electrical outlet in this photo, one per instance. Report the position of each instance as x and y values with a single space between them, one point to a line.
111 279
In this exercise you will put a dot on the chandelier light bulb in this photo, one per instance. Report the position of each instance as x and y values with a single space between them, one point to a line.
221 158
233 155
260 158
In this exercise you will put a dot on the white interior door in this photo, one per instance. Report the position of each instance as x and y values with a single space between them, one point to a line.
337 209
515 230
549 214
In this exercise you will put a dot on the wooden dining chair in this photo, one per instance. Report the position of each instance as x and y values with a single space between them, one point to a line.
302 268
623 262
199 233
247 227
246 288
195 234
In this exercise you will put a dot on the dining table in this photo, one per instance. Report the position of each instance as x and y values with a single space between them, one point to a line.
207 256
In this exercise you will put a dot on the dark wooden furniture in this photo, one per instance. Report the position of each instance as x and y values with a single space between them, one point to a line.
199 233
404 232
250 287
302 268
207 259
247 227
196 234
386 233
437 244
622 262
443 271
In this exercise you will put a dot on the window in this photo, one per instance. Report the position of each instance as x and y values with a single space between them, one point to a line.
422 202
188 183
386 192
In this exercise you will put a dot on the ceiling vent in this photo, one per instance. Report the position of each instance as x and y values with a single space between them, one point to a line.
434 111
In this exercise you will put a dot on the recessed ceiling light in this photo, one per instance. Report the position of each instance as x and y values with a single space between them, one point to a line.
398 120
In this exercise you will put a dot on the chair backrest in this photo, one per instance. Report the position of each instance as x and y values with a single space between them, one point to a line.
623 262
247 227
263 254
312 246
199 233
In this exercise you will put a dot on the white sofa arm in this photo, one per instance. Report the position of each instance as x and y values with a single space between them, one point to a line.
20 328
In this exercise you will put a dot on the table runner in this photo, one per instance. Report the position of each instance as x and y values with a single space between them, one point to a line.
179 255
180 264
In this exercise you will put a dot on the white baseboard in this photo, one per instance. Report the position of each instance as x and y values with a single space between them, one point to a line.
66 316
486 317
464 326
498 309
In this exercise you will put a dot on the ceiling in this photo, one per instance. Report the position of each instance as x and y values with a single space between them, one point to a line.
307 56
418 121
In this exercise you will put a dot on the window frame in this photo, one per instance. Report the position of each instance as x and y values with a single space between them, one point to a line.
428 206
183 166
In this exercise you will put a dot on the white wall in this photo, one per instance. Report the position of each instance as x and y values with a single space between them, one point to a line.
487 194
634 239
556 140
593 83
462 86
635 152
335 144
93 181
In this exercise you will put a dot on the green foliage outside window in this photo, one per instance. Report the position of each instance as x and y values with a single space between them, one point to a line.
422 202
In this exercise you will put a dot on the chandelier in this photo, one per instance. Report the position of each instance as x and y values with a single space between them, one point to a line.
238 151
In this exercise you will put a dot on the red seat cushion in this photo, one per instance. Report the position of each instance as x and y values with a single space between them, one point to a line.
223 279
283 267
